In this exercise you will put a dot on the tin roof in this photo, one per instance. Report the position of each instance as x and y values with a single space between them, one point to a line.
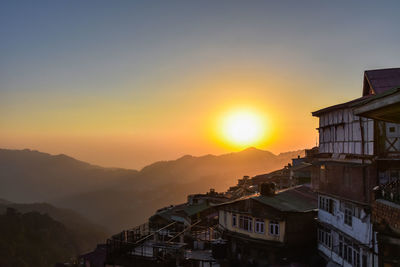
348 104
384 106
297 199
194 209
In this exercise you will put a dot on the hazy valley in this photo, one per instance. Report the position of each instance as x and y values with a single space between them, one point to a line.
121 198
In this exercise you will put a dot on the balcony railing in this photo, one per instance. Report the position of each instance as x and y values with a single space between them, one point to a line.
389 192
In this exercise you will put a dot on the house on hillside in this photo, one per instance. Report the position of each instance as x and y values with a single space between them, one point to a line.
295 173
270 228
244 187
356 154
95 258
280 177
210 197
300 170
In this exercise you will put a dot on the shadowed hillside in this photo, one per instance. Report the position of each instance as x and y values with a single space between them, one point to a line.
119 198
84 235
33 239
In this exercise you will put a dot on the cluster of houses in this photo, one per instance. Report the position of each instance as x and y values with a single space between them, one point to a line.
339 205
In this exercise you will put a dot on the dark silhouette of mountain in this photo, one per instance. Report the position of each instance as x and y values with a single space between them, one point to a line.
33 239
119 198
83 233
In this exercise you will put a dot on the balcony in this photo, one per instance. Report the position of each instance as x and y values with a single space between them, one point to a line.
389 191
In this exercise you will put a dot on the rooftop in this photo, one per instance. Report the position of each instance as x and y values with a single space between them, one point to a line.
297 199
376 82
381 80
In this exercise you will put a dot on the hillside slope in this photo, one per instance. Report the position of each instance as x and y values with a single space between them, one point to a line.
169 182
119 198
33 239
84 234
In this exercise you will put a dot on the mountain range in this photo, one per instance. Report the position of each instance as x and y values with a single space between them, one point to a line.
122 198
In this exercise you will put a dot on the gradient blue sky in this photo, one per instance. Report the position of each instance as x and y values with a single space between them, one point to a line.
125 83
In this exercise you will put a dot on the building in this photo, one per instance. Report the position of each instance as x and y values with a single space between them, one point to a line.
295 173
95 258
176 235
210 197
270 228
281 178
300 170
244 187
353 149
384 108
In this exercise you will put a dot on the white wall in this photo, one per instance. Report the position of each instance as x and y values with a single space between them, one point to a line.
340 132
360 230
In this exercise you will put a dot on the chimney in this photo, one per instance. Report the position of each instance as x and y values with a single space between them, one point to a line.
267 189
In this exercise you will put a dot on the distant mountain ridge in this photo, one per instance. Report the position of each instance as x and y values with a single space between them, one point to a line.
33 176
121 198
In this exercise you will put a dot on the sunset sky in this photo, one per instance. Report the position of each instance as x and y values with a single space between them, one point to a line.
127 83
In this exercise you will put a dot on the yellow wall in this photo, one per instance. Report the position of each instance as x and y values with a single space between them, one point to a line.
265 236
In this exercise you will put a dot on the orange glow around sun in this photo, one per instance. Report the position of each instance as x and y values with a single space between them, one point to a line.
241 128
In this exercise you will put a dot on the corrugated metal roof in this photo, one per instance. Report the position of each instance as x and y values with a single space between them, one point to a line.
298 199
377 96
340 106
193 209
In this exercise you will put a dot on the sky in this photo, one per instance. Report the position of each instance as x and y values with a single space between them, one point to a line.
127 83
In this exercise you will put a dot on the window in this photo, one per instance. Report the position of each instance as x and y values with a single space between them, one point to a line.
326 204
356 256
348 215
325 237
225 215
234 224
350 252
259 226
273 227
364 260
246 223
392 129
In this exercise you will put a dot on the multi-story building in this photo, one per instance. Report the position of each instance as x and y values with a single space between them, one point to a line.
270 228
385 108
352 151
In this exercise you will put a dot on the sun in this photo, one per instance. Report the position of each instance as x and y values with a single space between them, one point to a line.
243 128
